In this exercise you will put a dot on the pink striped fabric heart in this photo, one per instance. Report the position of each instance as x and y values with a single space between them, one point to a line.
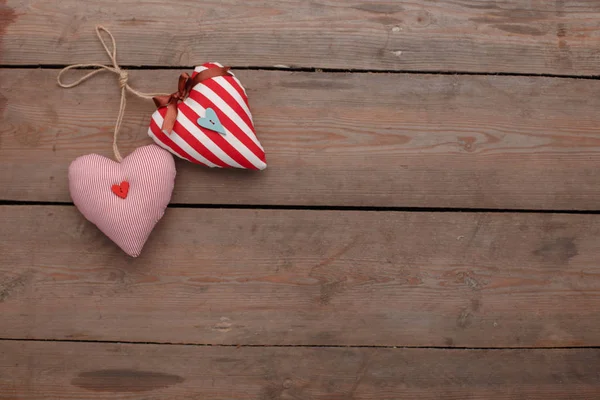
124 200
235 146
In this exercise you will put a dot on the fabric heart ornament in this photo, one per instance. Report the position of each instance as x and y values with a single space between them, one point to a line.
213 125
124 200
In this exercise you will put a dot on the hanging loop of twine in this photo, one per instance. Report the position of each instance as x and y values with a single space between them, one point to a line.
123 79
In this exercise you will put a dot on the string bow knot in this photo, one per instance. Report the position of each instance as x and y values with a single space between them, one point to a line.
171 101
116 69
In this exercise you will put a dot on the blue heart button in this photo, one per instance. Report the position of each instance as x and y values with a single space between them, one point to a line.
211 121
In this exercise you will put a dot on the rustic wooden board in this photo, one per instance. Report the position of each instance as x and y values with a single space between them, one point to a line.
524 36
278 277
335 139
50 370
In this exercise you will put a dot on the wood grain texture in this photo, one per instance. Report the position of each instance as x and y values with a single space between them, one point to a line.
524 36
281 277
334 139
46 370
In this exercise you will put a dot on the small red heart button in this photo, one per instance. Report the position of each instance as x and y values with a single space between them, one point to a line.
121 190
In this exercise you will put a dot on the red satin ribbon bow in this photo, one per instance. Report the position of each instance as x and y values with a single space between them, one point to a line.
184 87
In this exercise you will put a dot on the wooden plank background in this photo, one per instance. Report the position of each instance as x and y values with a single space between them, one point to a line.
96 371
522 36
306 277
335 139
266 285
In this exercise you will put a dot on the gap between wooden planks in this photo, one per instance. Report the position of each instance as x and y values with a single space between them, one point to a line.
332 139
51 370
305 278
521 36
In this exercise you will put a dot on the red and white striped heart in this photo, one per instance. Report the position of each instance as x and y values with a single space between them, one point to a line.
214 125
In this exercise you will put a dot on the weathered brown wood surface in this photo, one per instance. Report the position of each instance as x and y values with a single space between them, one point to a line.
277 303
335 139
47 370
523 36
283 277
